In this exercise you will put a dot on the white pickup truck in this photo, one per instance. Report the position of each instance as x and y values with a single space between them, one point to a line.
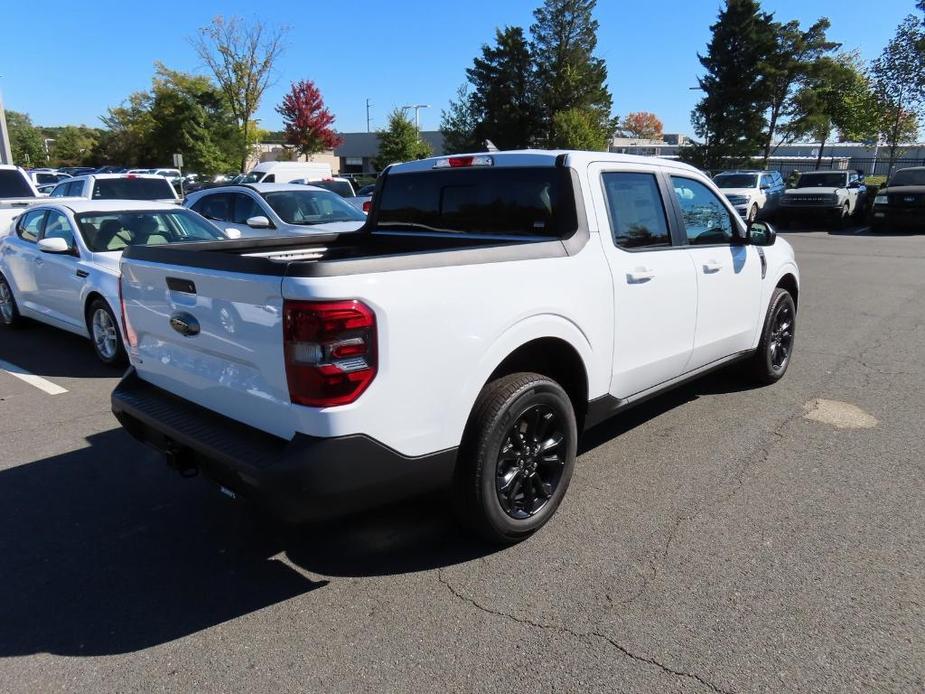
492 308
17 192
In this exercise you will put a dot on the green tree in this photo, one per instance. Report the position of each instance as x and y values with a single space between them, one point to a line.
503 94
569 75
401 141
458 123
127 139
730 118
794 60
241 56
26 141
578 128
898 78
73 145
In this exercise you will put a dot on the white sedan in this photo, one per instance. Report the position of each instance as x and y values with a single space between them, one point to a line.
60 263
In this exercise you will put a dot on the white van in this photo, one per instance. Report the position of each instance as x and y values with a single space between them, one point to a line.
288 171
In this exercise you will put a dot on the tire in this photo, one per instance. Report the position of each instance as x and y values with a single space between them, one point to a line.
844 219
775 349
105 334
9 311
504 489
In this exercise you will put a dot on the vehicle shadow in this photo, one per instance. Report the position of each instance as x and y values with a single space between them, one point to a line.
867 231
106 551
49 352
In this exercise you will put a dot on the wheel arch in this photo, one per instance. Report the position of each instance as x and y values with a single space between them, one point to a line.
789 282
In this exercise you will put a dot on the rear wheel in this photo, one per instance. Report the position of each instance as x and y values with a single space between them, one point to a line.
105 333
517 458
9 311
776 346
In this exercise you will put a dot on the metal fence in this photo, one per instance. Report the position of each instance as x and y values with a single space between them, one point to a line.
869 166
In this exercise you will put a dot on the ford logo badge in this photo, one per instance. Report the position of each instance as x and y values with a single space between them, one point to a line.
184 323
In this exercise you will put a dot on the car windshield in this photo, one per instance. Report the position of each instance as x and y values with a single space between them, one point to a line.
252 177
114 231
306 207
735 180
521 201
342 188
132 189
13 185
822 180
908 177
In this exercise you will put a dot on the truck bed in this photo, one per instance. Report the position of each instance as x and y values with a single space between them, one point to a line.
349 253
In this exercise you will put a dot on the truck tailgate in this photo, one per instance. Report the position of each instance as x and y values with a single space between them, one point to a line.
214 338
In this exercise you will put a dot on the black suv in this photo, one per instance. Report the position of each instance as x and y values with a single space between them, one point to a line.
901 203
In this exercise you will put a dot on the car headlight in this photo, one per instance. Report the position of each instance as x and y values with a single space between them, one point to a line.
880 200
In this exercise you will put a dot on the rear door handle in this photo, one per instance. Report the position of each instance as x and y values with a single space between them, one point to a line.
83 273
37 260
712 266
640 274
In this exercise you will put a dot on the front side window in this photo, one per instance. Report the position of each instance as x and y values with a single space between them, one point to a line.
30 226
307 207
61 190
706 219
245 207
637 213
57 226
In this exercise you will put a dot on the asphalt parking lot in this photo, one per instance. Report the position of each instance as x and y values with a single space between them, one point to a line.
717 539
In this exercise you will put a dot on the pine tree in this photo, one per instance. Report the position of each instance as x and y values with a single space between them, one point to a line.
731 116
569 75
458 123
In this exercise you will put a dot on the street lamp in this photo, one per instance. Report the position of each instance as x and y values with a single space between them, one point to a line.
417 113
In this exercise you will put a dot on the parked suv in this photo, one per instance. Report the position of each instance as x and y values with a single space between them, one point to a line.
491 308
834 196
754 194
901 203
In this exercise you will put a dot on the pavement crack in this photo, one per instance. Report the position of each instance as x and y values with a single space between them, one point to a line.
581 636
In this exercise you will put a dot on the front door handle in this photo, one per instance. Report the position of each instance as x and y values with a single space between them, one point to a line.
640 274
712 266
38 260
83 273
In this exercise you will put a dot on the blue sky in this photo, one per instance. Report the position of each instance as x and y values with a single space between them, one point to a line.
66 62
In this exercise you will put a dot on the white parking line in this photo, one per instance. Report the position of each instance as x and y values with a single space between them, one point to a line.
41 383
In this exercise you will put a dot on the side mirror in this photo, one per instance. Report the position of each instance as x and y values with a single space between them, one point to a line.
761 234
854 184
233 233
765 186
54 245
258 222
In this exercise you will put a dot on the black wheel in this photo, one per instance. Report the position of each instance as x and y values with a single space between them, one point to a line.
104 333
517 457
776 346
9 311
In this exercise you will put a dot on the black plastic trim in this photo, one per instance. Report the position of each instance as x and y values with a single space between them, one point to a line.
301 479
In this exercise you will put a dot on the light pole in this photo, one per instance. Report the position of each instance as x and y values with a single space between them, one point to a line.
6 154
417 113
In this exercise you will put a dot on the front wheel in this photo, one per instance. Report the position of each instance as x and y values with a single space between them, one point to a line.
9 311
517 457
105 333
776 346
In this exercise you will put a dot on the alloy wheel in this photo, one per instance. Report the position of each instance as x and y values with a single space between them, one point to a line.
531 462
104 334
6 302
781 343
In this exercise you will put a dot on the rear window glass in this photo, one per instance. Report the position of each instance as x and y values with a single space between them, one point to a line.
528 201
13 185
132 189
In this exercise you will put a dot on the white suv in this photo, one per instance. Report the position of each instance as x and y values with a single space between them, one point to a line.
754 194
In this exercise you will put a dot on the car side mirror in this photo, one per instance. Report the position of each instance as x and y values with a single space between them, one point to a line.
765 186
233 233
761 234
258 222
54 245
854 184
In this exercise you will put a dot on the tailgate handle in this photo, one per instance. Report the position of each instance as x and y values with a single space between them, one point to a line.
180 285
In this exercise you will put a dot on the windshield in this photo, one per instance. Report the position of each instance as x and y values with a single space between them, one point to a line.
252 177
132 189
114 231
342 188
908 177
822 180
14 185
521 201
306 207
735 180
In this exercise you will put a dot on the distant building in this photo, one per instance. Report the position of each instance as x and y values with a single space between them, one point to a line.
358 151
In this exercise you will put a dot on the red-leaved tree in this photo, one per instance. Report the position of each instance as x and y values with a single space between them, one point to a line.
642 124
307 120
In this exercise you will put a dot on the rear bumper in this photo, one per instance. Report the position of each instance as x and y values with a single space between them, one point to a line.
302 479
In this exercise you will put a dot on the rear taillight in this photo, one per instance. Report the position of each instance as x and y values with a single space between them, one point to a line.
330 351
367 206
130 337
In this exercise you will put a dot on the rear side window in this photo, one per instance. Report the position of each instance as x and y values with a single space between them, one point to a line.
14 185
637 212
217 207
132 189
528 201
61 190
30 226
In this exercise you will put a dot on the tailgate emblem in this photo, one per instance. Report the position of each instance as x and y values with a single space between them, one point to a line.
184 323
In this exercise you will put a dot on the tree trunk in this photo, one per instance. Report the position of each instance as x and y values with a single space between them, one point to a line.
821 148
772 126
246 149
